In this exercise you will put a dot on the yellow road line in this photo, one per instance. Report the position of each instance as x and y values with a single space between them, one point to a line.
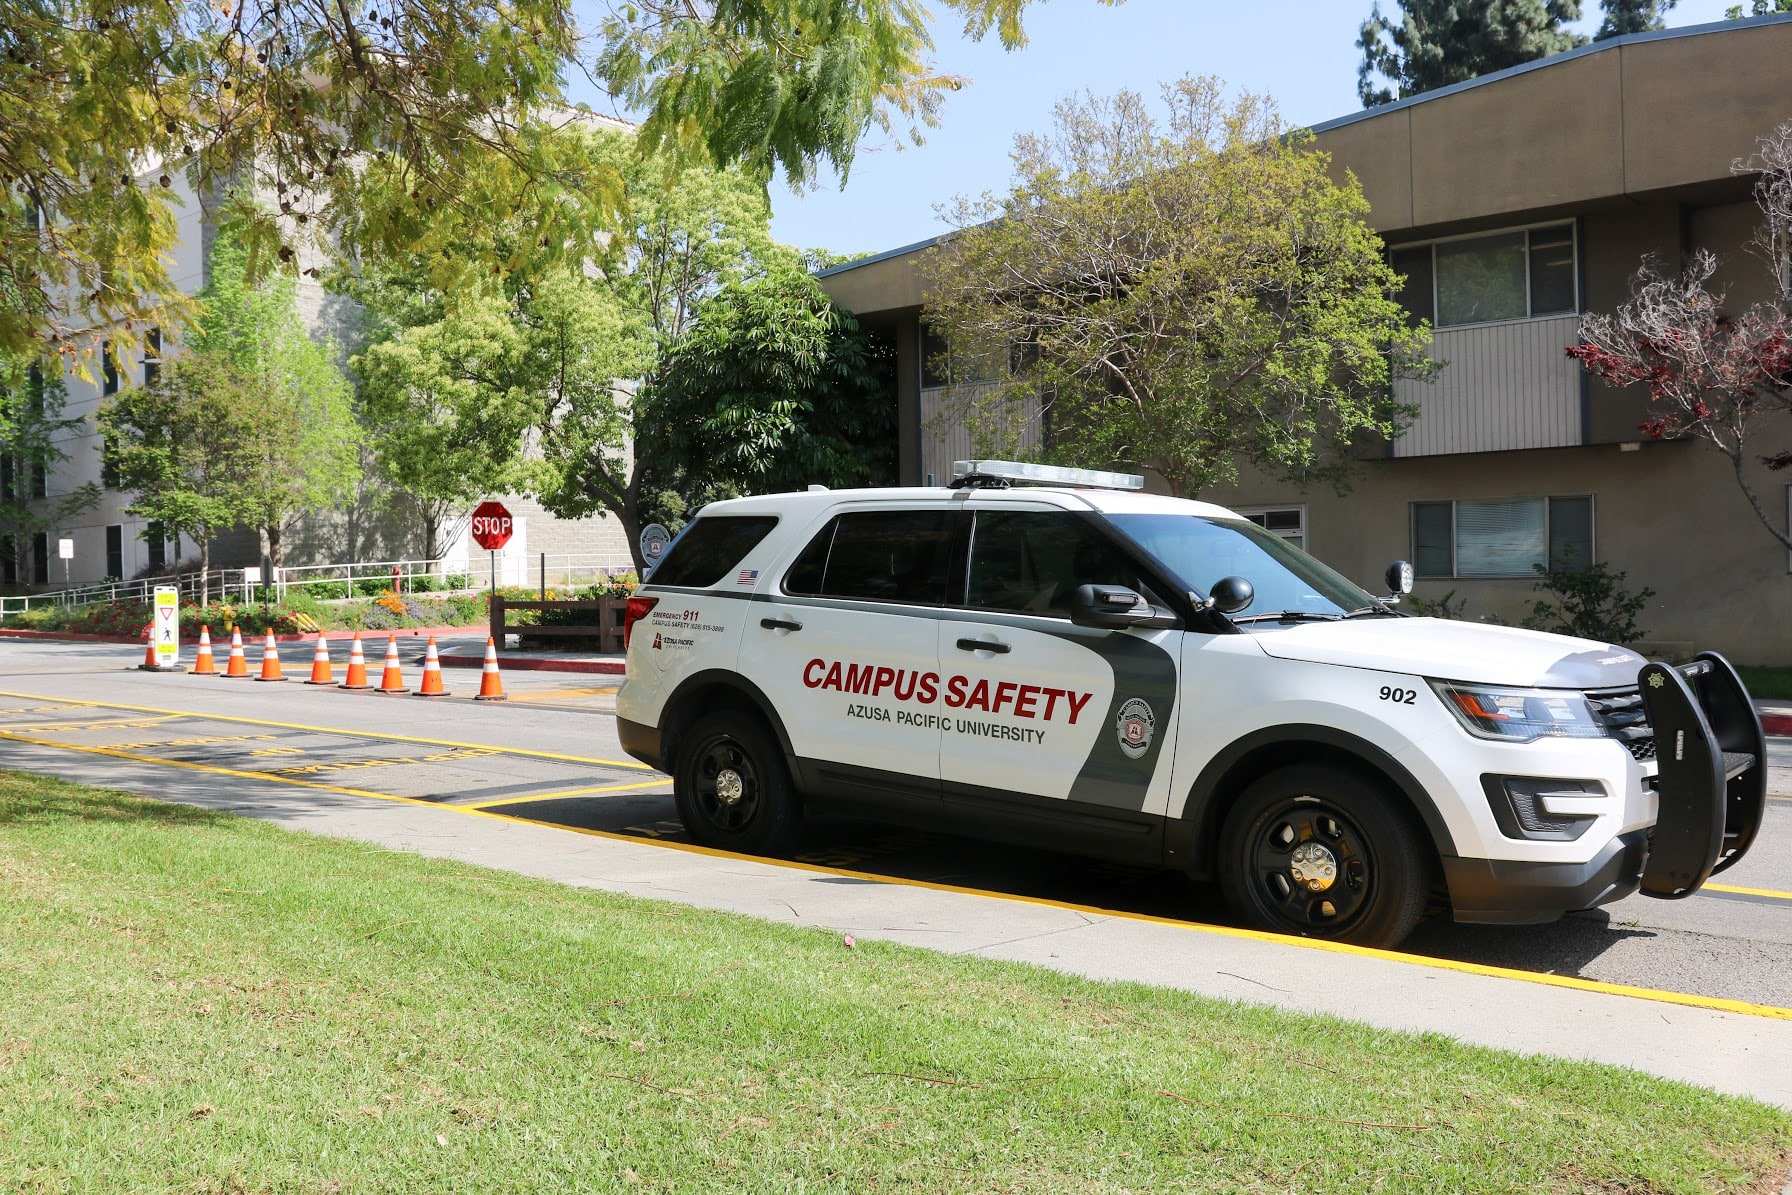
563 794
632 765
1570 982
551 694
1739 890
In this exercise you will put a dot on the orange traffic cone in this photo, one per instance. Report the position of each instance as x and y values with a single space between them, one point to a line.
321 673
432 673
236 665
202 660
392 677
149 658
491 685
270 660
357 667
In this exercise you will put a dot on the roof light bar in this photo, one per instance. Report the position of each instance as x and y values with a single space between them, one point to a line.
1020 472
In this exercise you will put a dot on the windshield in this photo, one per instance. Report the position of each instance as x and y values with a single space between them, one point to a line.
1201 550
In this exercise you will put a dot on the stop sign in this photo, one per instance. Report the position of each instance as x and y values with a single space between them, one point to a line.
491 525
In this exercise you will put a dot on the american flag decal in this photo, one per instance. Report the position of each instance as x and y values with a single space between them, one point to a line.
747 576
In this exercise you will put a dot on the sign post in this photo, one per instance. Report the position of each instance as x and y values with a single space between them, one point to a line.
655 539
164 629
492 527
65 549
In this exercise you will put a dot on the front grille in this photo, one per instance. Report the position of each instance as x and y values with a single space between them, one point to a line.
1621 713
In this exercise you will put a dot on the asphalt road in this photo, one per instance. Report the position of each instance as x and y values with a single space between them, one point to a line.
551 755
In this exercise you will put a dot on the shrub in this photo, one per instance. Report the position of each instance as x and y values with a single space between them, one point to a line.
1590 603
1448 606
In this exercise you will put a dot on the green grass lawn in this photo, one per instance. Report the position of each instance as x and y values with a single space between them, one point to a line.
194 1002
1772 683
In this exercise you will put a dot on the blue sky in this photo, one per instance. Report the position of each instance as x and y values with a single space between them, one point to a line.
1302 53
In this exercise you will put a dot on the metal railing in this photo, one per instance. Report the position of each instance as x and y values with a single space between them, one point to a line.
221 581
545 570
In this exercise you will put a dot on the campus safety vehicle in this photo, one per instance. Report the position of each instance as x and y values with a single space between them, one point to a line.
1057 658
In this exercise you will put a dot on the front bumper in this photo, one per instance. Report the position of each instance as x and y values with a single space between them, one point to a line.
1508 892
1698 725
1711 786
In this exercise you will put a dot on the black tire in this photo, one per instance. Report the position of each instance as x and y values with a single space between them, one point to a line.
1380 865
757 811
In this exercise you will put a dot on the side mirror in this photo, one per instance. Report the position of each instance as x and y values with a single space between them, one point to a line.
1231 594
1115 607
1399 578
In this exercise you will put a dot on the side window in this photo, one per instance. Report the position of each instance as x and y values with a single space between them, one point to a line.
1031 562
879 556
710 547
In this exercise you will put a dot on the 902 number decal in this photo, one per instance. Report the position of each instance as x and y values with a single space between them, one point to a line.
1399 696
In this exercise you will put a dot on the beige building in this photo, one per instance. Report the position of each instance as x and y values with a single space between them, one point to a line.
1513 203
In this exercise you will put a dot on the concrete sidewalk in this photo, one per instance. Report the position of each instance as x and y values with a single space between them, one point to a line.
1731 1047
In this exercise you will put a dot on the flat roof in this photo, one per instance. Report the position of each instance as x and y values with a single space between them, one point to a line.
1598 47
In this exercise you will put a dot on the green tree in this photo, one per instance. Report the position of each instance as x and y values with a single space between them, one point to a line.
374 122
446 410
1434 43
170 443
774 388
1177 296
32 430
294 445
1632 16
1757 8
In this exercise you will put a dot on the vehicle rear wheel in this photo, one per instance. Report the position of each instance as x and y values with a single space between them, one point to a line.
1324 853
732 787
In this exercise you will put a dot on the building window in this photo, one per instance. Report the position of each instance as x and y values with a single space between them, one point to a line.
152 355
1288 522
9 561
40 558
1525 273
1506 538
115 552
7 469
108 369
158 554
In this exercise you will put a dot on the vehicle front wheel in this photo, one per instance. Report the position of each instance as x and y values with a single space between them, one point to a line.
1324 853
732 788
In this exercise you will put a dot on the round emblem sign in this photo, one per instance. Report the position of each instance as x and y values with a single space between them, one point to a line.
492 525
655 539
1133 726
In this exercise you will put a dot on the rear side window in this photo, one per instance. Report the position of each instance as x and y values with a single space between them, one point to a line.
878 556
710 548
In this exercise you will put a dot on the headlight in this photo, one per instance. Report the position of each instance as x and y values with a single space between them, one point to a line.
1519 715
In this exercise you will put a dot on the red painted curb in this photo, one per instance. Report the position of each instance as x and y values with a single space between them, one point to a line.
303 637
1777 724
547 664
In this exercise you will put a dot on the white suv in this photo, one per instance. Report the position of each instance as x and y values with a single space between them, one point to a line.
1160 681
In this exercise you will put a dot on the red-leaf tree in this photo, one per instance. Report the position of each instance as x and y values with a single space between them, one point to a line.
1711 372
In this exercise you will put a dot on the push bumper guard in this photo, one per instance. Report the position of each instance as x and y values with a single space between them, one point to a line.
1712 774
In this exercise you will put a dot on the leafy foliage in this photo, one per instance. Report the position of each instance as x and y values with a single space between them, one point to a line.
1174 296
774 388
170 442
1712 373
1434 43
32 431
1632 16
1589 603
398 125
1757 8
293 447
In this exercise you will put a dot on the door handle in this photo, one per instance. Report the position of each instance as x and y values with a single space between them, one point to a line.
780 624
1000 649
